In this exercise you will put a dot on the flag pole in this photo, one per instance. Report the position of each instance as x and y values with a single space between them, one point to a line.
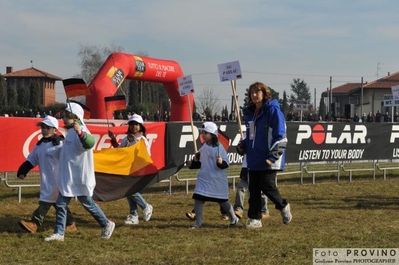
192 124
70 107
233 87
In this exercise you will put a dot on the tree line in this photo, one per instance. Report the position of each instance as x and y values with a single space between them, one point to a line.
141 96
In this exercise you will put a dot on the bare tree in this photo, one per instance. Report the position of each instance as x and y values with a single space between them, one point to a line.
208 103
92 58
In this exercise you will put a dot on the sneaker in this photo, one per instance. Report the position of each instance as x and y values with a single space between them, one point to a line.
265 215
31 227
224 217
253 223
235 222
54 237
238 214
195 226
71 227
286 214
147 212
106 232
132 220
190 216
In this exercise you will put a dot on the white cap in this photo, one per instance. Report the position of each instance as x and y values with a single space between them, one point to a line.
49 121
136 118
75 109
209 127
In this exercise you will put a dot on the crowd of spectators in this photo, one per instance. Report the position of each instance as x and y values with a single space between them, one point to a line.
30 113
370 117
165 116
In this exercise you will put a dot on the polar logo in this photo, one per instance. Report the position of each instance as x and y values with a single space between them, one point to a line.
187 136
319 135
394 133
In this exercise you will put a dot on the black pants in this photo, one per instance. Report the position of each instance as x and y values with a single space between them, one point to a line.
41 211
264 181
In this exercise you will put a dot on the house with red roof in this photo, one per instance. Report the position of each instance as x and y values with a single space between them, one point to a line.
351 98
23 78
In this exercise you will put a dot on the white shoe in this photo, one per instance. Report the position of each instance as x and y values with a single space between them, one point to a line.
107 231
286 214
132 220
235 222
254 223
54 237
147 212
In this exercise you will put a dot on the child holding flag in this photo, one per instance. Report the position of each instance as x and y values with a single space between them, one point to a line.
136 132
77 174
212 184
46 155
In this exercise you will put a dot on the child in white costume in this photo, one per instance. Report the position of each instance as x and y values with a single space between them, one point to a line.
212 184
45 154
135 133
77 177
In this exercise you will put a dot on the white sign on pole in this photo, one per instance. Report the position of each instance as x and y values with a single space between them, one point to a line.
389 101
301 105
229 71
185 85
395 92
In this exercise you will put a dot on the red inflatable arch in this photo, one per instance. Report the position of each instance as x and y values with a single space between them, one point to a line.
121 66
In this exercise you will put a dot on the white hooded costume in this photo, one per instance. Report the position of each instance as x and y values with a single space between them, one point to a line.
76 163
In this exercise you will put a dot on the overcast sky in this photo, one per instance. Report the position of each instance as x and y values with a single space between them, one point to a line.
274 41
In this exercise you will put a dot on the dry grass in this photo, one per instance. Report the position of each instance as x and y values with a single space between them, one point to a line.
362 213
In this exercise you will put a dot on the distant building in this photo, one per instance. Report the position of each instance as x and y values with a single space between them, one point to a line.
351 98
23 78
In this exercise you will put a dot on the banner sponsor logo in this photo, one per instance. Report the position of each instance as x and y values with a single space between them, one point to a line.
350 134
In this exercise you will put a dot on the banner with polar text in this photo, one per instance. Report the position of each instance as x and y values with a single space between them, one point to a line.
311 142
172 143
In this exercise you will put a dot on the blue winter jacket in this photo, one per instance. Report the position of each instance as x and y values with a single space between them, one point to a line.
269 137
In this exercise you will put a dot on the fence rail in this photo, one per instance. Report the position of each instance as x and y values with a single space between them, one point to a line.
187 176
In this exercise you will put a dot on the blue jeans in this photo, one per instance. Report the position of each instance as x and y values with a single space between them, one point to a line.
87 203
134 200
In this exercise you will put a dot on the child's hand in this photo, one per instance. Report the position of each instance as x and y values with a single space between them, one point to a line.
219 160
188 163
111 135
77 128
196 157
21 176
240 150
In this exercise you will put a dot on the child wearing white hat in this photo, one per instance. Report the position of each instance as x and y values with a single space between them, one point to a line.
212 184
46 155
136 131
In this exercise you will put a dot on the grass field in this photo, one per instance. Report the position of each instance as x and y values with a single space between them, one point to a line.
359 214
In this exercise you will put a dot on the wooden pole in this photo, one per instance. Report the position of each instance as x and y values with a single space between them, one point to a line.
192 124
233 87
